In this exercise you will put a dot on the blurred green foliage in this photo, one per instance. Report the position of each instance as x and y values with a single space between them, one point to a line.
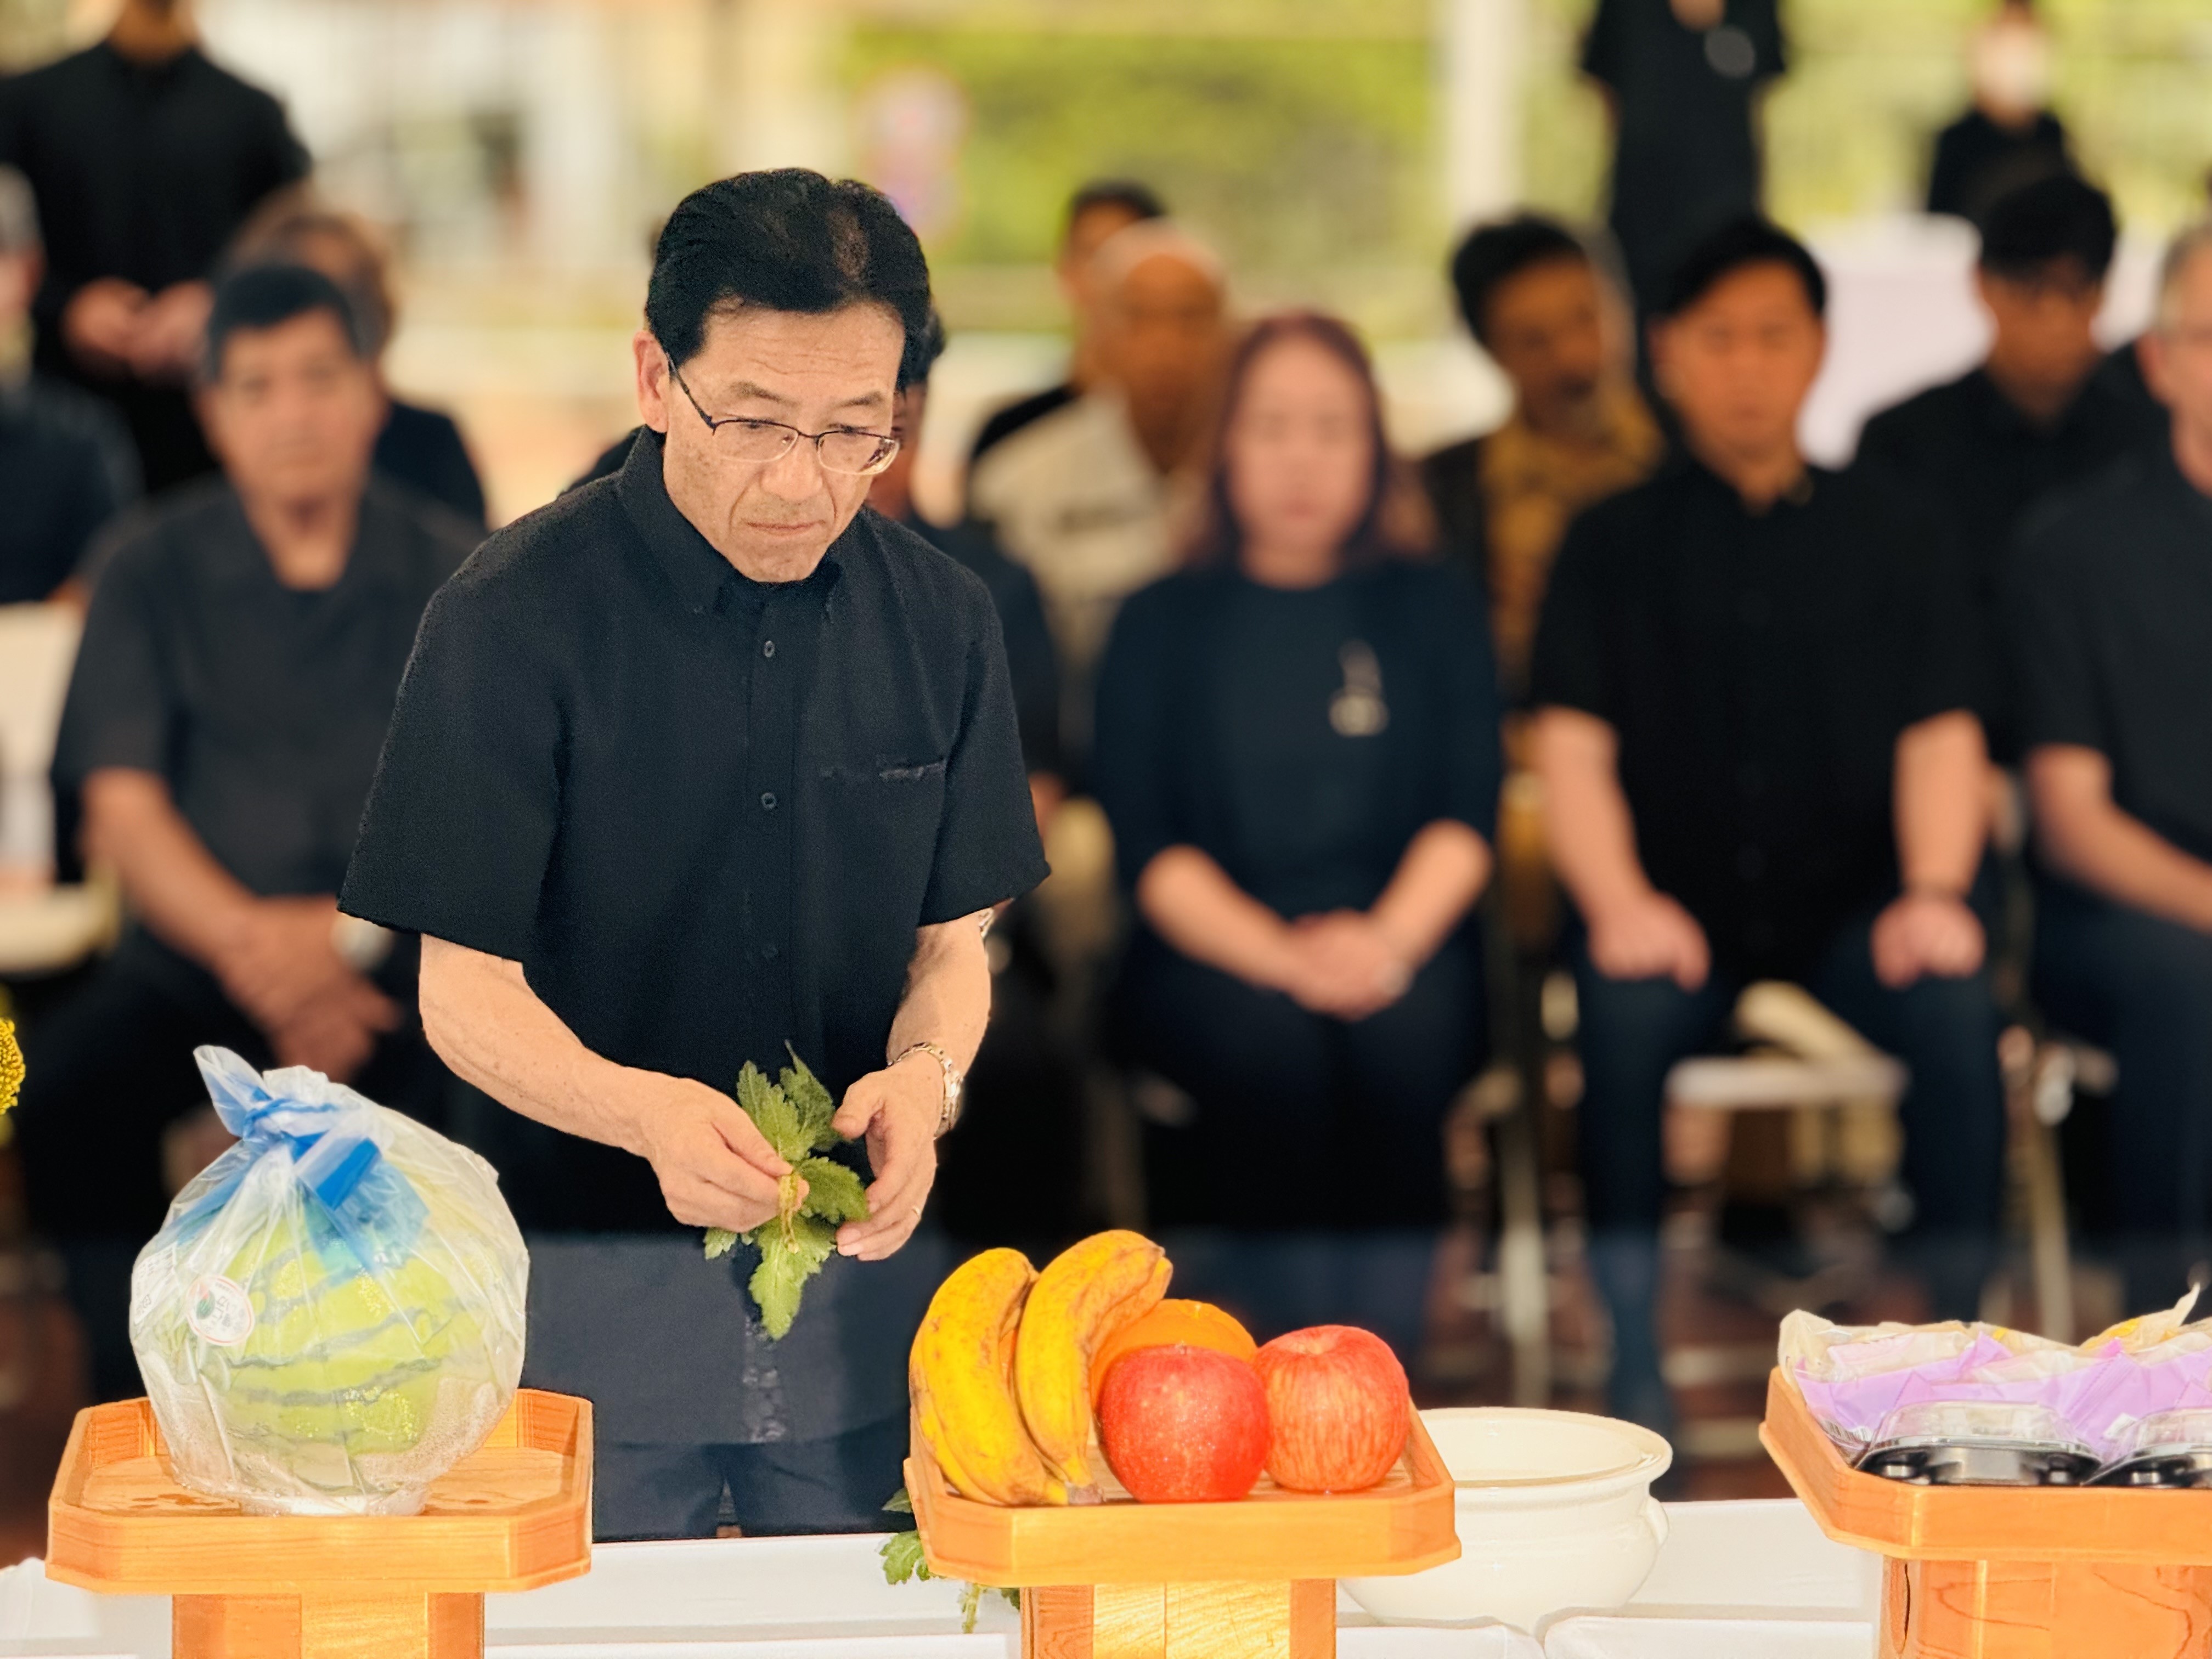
1309 161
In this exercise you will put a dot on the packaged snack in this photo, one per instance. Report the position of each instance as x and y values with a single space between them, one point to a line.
332 1316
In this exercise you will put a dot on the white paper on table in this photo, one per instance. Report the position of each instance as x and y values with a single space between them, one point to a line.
1611 1636
996 1645
1747 1558
42 1619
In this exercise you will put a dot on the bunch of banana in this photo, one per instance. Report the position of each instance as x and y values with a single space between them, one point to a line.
1087 1293
1000 1369
961 1376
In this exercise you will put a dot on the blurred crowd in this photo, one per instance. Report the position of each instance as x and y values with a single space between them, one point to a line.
1350 765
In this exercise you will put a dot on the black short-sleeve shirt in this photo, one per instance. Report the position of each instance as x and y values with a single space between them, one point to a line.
66 468
706 815
1758 669
2109 615
1301 737
264 707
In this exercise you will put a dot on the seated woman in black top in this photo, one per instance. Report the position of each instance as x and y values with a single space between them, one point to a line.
1296 744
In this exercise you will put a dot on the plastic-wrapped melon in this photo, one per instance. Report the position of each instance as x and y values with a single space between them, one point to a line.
331 1315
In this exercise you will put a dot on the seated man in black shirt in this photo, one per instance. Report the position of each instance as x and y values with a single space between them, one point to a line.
237 670
66 463
2034 416
1752 725
2109 609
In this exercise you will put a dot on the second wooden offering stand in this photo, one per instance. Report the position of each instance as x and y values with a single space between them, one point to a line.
2010 1573
513 1514
1125 1580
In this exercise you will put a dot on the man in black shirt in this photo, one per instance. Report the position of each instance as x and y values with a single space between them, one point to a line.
1682 80
2110 608
2008 137
237 673
1754 735
1095 213
701 761
66 463
146 157
2034 416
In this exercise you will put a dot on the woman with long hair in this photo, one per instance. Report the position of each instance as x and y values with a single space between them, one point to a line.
1298 747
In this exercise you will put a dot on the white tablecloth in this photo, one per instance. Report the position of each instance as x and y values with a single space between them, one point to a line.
1750 1579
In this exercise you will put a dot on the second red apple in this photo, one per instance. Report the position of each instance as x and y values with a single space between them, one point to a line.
1338 1408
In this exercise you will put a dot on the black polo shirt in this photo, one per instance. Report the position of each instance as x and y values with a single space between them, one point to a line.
2108 613
263 706
1971 453
1758 669
705 814
66 468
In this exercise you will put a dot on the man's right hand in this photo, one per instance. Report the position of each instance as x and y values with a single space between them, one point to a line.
716 1169
102 322
1647 936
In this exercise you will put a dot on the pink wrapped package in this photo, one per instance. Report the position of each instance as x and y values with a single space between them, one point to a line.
1854 1377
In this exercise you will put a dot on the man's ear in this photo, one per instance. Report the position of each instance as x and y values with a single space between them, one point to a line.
655 388
2150 357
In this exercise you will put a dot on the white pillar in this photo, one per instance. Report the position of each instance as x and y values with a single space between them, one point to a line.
574 140
1480 45
773 98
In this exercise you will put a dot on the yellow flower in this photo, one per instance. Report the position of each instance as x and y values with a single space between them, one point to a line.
11 1065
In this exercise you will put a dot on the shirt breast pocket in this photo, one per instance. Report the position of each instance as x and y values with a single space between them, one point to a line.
885 815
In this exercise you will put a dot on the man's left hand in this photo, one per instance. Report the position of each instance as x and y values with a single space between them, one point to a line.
897 1109
1920 935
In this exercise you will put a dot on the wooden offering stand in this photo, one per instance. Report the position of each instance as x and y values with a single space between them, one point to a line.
513 1514
1125 1580
2010 1573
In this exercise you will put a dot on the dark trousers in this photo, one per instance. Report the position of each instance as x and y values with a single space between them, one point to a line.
108 1071
1301 1119
2141 988
1632 1031
836 1484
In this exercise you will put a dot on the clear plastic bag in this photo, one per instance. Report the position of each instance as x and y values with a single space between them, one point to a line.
332 1316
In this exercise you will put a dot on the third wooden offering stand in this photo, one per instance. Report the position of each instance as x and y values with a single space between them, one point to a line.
513 1514
1125 1580
2010 1573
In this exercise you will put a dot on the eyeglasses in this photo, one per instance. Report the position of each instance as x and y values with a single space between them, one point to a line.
841 449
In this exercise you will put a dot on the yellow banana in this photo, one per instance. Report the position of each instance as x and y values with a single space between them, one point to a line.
1085 1294
960 1374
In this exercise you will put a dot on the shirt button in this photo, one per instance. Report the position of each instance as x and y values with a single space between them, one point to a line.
767 647
768 802
1751 862
768 953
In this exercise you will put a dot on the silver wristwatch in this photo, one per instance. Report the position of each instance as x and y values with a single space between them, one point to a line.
955 1081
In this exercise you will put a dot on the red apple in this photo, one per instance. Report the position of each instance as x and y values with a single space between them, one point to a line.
1183 1424
1338 1404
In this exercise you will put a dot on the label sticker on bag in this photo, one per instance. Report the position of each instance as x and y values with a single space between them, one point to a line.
219 1310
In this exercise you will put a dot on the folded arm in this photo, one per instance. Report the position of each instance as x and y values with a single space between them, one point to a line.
1941 807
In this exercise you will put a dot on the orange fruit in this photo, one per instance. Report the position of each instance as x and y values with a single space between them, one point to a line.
1195 1324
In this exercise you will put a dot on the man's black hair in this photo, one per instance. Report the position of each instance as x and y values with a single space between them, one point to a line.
1750 241
786 240
1140 201
262 296
1494 254
2062 216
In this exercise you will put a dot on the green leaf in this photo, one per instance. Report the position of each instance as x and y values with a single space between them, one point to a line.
786 1263
811 1102
721 1241
969 1596
833 1192
1013 1594
900 1503
902 1562
772 1114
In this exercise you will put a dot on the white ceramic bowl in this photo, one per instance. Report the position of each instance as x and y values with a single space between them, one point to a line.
1554 1510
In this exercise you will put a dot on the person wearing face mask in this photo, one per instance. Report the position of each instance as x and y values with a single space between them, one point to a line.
705 765
2008 137
1298 749
238 669
1754 727
2033 416
1533 298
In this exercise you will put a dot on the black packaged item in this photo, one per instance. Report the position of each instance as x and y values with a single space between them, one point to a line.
2169 1451
1941 1443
